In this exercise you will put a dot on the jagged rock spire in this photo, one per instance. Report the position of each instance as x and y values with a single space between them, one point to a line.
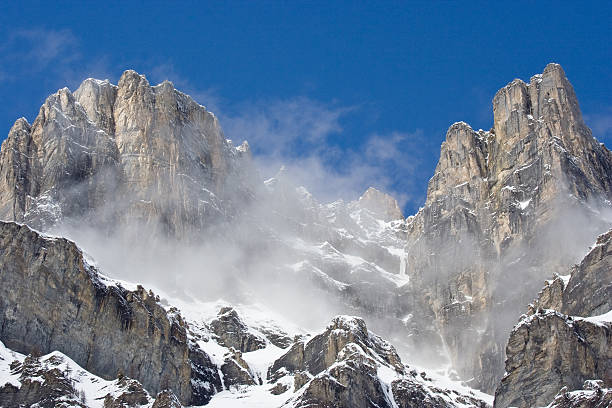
493 203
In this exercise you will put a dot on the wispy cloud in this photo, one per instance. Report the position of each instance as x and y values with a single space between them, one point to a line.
35 50
306 137
45 46
54 53
291 127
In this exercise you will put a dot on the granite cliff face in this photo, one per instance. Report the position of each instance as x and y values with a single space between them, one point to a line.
110 153
564 340
504 209
51 299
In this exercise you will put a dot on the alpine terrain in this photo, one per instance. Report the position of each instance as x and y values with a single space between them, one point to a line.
144 261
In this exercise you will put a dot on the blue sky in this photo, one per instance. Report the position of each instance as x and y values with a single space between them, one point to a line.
347 94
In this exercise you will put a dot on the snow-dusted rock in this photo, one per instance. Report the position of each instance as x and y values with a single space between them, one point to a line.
129 152
505 209
349 366
593 395
565 338
52 299
232 332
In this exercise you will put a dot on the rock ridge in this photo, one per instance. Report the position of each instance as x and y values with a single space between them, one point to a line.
496 199
52 299
563 341
154 146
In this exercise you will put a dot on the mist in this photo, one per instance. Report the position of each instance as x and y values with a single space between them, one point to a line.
244 257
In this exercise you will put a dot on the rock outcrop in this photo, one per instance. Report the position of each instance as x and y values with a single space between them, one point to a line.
381 204
232 332
591 396
52 299
45 384
108 153
348 366
549 351
54 380
589 289
502 213
128 393
564 340
166 399
236 371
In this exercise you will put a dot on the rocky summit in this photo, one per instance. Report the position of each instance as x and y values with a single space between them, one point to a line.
260 295
505 209
150 151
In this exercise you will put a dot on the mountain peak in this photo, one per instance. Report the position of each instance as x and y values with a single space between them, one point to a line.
490 191
554 67
151 142
20 124
129 75
382 204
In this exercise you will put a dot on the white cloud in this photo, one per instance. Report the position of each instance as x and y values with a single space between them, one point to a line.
34 50
282 127
45 46
302 135
54 53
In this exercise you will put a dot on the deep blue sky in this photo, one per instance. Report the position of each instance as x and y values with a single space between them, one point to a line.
328 85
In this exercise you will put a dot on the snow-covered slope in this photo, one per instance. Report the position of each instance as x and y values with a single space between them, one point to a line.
56 380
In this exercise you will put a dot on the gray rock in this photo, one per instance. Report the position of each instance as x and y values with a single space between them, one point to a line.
278 389
232 332
236 371
549 350
321 351
354 383
300 379
340 368
589 290
166 399
51 299
589 397
108 154
413 394
44 385
502 214
381 204
131 394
